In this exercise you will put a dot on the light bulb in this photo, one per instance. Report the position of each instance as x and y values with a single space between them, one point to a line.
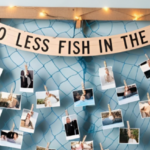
11 6
42 14
105 8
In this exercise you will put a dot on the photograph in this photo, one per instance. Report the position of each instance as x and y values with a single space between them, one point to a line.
1 70
127 94
87 145
145 108
28 121
85 99
71 127
42 148
10 101
11 139
1 110
145 67
27 81
126 138
113 120
107 78
47 99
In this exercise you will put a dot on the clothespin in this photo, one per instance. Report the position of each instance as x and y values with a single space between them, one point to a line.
105 64
47 147
125 83
101 146
84 138
13 126
146 56
148 96
67 114
109 110
31 111
83 88
11 92
129 132
78 22
45 88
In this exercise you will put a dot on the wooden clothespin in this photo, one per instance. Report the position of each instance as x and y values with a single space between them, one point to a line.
146 56
109 110
32 109
13 126
101 146
148 96
105 64
78 22
67 114
83 88
129 132
125 83
45 88
84 138
11 92
47 147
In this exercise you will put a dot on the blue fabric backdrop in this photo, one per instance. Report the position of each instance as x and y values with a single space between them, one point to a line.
66 74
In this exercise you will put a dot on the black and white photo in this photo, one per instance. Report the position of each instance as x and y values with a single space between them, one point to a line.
71 127
113 120
145 67
127 94
1 70
107 78
11 139
1 110
28 121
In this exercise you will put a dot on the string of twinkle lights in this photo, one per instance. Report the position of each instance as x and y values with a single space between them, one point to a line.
79 18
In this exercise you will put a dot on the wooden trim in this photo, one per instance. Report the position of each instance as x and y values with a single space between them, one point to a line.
70 13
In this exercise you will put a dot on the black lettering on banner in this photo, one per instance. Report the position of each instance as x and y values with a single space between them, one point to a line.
85 47
69 47
108 44
18 38
47 47
38 45
61 46
4 30
134 39
100 46
142 37
124 39
74 44
27 41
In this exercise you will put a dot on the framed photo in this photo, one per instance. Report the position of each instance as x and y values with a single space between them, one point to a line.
127 95
107 78
47 99
10 101
1 70
144 108
145 67
125 139
112 121
71 127
28 121
42 148
81 100
87 145
11 139
1 110
27 81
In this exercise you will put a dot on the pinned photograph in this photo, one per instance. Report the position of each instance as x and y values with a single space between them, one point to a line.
11 138
26 79
127 94
107 77
112 119
48 99
145 107
28 121
10 101
1 110
84 97
71 127
145 67
1 70
88 145
43 148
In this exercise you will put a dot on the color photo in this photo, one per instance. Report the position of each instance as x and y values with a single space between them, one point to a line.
87 145
145 108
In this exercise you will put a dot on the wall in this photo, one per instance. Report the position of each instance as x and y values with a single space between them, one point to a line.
66 74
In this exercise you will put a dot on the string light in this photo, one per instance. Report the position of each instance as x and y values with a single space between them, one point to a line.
78 18
106 8
11 6
137 17
42 14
